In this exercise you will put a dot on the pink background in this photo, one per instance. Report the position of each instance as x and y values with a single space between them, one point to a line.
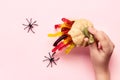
21 53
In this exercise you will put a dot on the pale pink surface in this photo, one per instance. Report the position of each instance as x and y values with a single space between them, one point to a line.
21 53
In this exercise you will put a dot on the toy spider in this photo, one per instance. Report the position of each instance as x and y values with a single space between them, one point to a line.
30 25
51 59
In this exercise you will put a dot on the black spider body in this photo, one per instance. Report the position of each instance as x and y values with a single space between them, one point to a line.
51 59
30 25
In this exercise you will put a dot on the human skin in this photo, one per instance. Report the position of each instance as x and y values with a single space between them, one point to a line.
100 53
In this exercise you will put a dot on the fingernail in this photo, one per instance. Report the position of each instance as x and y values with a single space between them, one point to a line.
86 39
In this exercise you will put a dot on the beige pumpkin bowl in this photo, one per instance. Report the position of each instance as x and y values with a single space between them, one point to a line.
79 31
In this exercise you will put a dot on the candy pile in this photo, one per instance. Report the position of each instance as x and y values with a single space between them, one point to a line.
72 34
64 40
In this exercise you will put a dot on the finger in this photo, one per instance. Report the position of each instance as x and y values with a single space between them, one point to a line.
108 38
99 36
85 41
93 46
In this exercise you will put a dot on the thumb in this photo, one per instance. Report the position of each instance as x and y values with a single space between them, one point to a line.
93 31
98 35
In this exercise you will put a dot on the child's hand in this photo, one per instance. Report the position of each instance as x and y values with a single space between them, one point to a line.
100 53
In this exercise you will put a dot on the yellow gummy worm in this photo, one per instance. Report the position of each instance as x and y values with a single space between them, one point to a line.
55 35
68 49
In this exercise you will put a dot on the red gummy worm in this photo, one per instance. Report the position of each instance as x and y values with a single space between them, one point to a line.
57 47
57 26
66 20
65 30
64 45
